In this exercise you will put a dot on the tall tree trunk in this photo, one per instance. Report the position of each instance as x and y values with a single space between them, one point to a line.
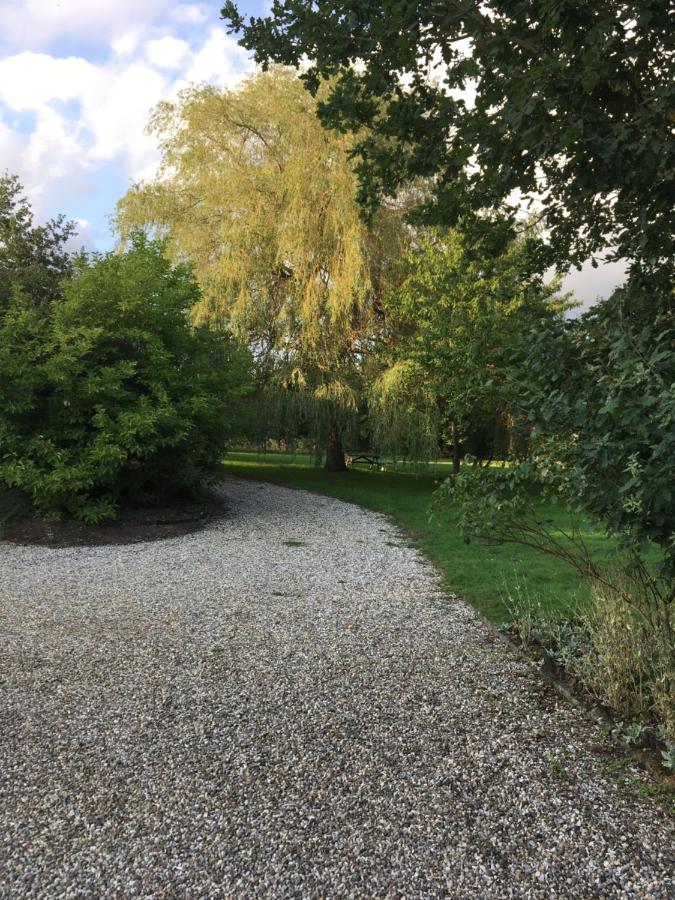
455 449
335 454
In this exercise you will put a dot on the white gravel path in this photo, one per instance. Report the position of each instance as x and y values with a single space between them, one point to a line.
226 714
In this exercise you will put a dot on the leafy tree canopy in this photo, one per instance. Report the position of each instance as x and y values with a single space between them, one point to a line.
260 198
32 257
568 105
111 393
453 328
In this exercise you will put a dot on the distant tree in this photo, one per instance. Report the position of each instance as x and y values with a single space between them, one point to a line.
567 104
32 257
455 322
260 198
110 394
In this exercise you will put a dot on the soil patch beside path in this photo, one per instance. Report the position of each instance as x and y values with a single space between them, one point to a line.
132 525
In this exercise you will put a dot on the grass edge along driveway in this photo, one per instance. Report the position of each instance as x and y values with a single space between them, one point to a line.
491 578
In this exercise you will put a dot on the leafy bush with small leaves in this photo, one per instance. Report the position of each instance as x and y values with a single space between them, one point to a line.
599 395
111 393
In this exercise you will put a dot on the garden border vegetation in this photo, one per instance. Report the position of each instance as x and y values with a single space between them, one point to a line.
108 393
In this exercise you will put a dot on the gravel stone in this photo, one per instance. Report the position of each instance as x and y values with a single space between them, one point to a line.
287 704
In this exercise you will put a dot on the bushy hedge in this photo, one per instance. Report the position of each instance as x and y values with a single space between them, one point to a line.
112 393
600 397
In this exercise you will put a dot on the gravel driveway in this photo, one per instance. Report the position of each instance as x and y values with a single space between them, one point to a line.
286 705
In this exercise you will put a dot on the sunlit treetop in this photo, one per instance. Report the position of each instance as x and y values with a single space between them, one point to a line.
260 199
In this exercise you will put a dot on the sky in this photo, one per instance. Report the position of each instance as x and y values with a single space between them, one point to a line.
78 79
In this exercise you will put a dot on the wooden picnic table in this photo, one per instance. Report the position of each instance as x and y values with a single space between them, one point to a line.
371 459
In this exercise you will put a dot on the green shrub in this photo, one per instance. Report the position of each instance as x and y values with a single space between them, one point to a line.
600 397
111 393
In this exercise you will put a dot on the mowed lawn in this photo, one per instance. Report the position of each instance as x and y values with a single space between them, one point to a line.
488 577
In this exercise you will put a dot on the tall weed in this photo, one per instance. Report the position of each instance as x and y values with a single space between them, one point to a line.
620 647
631 664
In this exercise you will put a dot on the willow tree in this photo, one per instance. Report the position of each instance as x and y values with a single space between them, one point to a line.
260 199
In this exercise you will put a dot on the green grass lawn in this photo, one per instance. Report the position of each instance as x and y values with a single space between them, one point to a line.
485 576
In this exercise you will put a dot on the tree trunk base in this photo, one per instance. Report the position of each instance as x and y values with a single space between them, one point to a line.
335 455
455 450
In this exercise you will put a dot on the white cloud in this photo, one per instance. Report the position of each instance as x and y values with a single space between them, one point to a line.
117 112
69 117
29 81
53 148
189 14
167 52
126 44
111 108
34 23
10 147
220 60
50 164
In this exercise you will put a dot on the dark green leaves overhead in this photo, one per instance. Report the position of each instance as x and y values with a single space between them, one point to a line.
570 105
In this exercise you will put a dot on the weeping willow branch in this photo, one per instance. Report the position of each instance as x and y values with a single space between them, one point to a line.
403 413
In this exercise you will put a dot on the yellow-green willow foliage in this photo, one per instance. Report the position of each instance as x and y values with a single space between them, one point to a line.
405 420
261 200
